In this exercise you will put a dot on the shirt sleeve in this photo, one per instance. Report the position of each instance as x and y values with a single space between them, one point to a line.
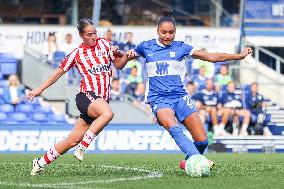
187 49
69 61
139 49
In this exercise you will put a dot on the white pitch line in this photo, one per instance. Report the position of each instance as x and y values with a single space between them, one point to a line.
25 185
151 174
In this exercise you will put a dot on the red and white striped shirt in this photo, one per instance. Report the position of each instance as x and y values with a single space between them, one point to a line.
94 64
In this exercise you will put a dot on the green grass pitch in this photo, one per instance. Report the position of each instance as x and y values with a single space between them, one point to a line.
232 171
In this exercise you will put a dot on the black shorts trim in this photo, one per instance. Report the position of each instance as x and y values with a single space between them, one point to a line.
83 100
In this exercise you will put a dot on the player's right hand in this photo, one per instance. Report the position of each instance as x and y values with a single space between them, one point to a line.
32 94
245 52
131 54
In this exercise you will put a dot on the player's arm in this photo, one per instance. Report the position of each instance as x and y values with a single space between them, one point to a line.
220 57
122 58
52 79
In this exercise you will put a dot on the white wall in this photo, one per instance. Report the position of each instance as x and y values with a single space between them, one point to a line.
14 37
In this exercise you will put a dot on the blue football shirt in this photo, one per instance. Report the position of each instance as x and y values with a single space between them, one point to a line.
166 68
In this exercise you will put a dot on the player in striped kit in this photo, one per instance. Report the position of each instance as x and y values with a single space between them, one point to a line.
167 95
93 61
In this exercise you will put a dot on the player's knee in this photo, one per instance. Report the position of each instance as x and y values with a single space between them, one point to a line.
108 115
201 146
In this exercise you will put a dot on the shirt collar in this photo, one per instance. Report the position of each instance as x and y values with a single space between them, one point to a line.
162 45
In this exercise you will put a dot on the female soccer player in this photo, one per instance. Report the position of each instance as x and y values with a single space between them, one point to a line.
167 95
93 60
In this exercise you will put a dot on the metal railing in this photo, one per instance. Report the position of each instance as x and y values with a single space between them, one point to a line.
268 72
268 58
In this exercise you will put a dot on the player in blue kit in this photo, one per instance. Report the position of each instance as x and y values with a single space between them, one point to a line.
256 105
166 92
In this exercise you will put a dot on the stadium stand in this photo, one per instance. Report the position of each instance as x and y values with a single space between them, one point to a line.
28 112
8 64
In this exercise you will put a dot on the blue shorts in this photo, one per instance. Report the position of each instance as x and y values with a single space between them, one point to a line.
183 106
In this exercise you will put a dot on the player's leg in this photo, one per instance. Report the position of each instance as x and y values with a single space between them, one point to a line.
61 147
187 114
166 118
101 114
195 127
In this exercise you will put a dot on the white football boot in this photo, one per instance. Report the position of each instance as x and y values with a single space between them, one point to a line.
79 153
36 167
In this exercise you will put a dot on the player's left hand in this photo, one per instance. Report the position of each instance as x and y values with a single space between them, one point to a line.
246 52
115 50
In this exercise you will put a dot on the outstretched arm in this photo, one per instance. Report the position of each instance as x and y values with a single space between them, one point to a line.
220 57
52 79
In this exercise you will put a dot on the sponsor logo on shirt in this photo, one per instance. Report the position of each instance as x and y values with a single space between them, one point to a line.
101 53
172 54
99 68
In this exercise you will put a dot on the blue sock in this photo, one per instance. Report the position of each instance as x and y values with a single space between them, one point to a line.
183 142
201 146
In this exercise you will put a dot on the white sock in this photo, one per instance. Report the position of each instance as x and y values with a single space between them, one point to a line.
87 139
49 157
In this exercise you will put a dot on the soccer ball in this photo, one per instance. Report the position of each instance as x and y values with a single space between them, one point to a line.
197 166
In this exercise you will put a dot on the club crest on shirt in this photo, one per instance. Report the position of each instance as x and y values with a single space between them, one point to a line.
172 54
101 53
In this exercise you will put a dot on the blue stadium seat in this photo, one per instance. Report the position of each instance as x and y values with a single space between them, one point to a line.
35 102
8 68
194 72
58 54
10 122
19 117
1 91
7 108
6 55
74 77
44 109
8 64
127 71
3 116
2 101
25 108
57 58
246 88
40 117
3 83
57 117
8 60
